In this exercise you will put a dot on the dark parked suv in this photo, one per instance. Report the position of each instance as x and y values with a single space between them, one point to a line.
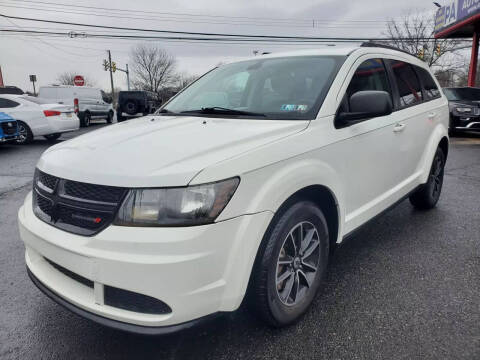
11 90
136 103
464 106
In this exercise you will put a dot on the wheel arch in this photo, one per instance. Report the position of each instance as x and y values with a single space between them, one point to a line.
444 145
438 139
325 199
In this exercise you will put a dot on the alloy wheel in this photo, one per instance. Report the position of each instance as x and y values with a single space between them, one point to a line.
22 133
436 176
297 263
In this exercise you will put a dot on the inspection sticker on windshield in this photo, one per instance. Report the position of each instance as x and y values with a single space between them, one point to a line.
289 107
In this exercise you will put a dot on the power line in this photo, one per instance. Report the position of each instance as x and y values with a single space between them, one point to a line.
45 42
288 40
306 25
201 34
196 15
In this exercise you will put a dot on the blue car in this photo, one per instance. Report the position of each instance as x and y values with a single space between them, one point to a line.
8 128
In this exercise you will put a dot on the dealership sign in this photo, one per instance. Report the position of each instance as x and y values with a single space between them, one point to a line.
455 12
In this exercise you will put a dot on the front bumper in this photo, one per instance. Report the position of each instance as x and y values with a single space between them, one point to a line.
8 138
470 123
114 324
196 271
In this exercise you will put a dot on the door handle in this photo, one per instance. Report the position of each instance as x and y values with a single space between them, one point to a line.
432 115
399 127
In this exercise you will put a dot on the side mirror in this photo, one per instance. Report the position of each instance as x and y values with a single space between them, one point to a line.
366 105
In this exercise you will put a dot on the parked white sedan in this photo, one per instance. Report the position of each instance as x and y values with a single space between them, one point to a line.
35 117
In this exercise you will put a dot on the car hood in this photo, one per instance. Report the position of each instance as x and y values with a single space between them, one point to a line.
159 150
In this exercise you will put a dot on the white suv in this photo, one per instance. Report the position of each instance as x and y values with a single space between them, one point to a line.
240 186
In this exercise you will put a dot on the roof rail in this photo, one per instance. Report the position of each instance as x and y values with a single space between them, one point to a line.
374 44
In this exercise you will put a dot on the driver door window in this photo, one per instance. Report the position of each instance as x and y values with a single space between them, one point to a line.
370 75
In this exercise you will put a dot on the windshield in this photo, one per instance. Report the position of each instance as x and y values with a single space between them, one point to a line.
291 88
469 94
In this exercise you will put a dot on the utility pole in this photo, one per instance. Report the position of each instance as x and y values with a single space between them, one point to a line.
109 65
111 74
33 79
128 77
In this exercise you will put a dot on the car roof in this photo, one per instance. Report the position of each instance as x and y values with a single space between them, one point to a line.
69 87
344 50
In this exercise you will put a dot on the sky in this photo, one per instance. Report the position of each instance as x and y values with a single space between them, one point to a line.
47 57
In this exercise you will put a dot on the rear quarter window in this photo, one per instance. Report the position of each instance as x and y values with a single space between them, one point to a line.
430 88
408 84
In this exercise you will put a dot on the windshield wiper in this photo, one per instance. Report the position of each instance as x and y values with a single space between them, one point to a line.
221 110
165 111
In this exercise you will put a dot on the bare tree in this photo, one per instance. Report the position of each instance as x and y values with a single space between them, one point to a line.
66 78
184 79
153 68
412 34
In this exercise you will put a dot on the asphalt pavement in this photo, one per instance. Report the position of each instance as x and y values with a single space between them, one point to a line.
407 286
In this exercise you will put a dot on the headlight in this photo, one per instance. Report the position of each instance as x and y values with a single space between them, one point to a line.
191 205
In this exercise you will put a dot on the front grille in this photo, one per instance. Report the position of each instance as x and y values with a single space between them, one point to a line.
99 193
76 207
47 180
9 127
71 274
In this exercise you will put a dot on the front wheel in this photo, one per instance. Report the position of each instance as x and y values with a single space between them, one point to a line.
291 265
25 135
426 197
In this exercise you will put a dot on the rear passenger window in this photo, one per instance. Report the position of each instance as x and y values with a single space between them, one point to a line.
429 86
370 75
409 88
6 103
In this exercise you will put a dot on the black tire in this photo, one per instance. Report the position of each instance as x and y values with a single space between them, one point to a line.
427 196
269 297
86 119
120 118
25 133
52 137
110 117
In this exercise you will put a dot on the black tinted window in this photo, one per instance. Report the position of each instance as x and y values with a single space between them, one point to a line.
7 103
455 94
370 75
431 89
407 82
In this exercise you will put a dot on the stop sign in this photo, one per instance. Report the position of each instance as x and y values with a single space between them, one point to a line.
78 80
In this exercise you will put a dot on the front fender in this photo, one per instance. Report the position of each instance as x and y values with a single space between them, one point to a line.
266 189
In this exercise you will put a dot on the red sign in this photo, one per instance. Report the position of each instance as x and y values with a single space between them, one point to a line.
79 80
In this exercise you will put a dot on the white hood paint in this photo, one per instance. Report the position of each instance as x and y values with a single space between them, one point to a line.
158 151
